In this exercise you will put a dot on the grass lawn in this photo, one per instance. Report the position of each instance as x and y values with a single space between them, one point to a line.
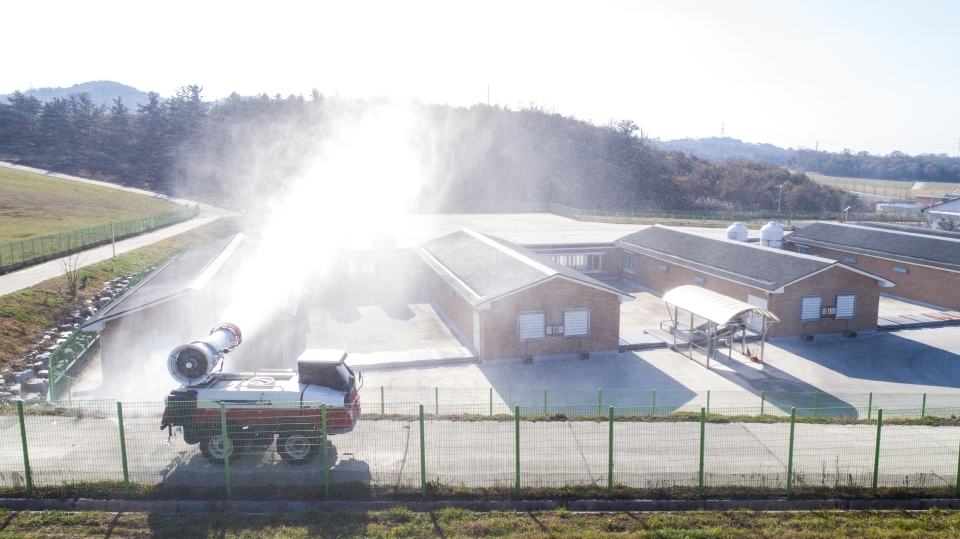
450 523
26 314
33 205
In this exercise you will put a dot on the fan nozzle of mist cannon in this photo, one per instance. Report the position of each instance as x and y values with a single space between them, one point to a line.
194 363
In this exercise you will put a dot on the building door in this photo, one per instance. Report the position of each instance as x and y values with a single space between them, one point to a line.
755 321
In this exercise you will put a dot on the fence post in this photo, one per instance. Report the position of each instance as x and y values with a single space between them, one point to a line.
708 401
876 455
436 401
544 401
227 444
610 457
793 423
26 457
654 402
123 450
326 454
599 401
703 430
382 407
516 418
958 474
491 401
923 407
423 457
870 405
763 400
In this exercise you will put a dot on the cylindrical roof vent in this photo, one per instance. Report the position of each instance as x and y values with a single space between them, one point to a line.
737 232
771 235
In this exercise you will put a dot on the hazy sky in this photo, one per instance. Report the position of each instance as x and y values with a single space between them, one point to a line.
876 76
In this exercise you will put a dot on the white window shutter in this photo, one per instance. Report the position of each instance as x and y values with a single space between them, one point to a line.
531 326
846 305
810 308
576 322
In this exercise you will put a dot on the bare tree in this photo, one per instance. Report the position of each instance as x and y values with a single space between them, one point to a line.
70 265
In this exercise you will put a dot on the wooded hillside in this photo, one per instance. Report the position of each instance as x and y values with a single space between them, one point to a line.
232 150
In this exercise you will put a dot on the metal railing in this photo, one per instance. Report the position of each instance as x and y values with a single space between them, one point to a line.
20 254
511 451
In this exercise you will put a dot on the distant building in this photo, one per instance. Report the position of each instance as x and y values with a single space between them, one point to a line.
932 200
508 302
809 294
899 208
924 263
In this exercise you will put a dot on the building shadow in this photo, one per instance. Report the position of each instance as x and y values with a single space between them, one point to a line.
885 357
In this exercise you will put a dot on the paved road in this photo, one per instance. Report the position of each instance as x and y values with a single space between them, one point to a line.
33 275
482 454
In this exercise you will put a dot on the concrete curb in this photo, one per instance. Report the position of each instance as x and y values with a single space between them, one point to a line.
192 506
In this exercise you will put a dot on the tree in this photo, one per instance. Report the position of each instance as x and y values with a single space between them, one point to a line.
70 265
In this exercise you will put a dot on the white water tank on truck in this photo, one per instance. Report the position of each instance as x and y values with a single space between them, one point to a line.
737 232
771 235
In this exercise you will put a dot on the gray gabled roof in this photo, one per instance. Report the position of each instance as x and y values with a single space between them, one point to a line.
760 267
915 247
911 229
202 270
482 268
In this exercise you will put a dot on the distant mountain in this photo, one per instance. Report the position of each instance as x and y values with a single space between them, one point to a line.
101 91
720 150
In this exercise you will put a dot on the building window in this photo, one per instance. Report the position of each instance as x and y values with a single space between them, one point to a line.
629 267
810 308
846 306
584 263
576 322
531 326
802 249
699 278
664 267
900 269
850 259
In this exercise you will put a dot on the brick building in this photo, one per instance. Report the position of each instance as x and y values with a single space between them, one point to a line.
507 301
924 263
809 294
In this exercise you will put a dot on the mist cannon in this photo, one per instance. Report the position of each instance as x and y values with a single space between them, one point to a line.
195 363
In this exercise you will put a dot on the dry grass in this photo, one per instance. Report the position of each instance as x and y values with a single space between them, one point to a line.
887 188
450 523
26 314
33 205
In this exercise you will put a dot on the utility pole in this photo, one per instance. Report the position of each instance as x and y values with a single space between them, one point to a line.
817 147
779 199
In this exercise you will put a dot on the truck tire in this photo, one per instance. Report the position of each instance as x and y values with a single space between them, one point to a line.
214 449
297 447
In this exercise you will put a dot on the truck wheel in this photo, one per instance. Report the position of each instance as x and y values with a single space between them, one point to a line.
215 448
297 448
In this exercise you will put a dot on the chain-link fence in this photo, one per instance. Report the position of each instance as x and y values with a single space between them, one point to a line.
775 403
20 254
386 450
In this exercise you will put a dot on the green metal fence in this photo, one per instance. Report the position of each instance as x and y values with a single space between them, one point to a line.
20 254
413 449
773 403
725 216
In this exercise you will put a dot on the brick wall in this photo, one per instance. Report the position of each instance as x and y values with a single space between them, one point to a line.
457 309
786 306
499 323
826 284
928 285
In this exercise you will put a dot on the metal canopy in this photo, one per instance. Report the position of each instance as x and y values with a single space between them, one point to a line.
712 306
